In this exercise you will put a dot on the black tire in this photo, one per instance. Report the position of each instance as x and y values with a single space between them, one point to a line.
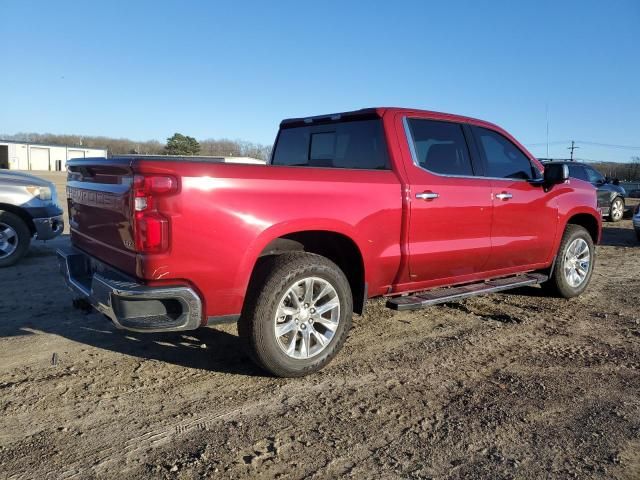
558 284
21 240
619 202
273 279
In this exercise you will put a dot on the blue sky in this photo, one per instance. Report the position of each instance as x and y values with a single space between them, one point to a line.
146 69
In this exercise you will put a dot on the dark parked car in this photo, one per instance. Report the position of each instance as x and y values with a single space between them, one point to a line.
611 197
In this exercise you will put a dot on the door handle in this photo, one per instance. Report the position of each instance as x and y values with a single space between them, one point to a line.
427 196
504 196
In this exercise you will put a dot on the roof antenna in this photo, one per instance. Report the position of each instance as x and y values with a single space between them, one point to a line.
547 108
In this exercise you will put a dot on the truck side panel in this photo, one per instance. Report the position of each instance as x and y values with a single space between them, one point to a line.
225 215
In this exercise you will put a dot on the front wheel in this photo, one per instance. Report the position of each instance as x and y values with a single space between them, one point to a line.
617 210
297 314
574 263
15 238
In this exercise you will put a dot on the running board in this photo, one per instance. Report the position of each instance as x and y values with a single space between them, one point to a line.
443 295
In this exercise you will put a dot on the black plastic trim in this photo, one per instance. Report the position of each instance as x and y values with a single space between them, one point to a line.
223 319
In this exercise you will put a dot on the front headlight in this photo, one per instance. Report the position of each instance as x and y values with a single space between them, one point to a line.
43 193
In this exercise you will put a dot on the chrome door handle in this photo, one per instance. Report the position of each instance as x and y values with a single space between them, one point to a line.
427 196
504 196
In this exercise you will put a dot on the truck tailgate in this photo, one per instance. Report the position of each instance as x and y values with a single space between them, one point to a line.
100 213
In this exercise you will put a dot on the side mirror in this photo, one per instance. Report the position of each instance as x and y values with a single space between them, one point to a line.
555 173
616 181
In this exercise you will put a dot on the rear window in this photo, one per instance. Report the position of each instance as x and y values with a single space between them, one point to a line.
356 144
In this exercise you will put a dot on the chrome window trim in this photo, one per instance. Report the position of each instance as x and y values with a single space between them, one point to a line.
414 155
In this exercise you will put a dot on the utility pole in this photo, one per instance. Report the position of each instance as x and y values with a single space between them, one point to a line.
572 148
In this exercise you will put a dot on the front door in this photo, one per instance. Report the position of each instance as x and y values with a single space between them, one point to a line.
449 237
524 215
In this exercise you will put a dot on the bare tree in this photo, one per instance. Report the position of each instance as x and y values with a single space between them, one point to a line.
116 146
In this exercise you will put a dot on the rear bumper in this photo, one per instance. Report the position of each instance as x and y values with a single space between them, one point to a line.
130 305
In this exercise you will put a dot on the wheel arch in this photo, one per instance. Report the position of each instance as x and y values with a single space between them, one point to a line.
20 212
588 222
337 246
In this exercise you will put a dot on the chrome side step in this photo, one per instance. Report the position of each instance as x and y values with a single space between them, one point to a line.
443 295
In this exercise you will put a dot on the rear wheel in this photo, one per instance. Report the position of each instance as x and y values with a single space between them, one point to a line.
574 263
297 314
617 210
15 238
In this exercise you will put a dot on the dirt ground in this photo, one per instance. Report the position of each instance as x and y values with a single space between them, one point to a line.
511 385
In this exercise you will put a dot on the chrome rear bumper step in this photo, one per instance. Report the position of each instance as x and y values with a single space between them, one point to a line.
444 295
130 305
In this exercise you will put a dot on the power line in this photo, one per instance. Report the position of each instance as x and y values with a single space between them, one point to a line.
542 144
583 142
610 145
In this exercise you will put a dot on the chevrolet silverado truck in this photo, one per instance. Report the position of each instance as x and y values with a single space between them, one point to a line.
417 206
28 209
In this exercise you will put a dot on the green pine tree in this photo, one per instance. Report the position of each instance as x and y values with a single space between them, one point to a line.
179 144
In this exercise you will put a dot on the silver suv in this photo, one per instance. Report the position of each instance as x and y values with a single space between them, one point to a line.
28 208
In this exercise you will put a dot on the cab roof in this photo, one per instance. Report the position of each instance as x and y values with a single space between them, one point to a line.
379 112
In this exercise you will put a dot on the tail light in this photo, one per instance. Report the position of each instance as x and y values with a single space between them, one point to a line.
150 226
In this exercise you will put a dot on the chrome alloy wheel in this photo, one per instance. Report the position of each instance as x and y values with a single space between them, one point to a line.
8 240
577 261
307 318
617 210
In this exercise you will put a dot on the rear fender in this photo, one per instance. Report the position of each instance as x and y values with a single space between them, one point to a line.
252 253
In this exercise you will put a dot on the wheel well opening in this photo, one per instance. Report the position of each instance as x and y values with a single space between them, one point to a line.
338 248
26 218
588 222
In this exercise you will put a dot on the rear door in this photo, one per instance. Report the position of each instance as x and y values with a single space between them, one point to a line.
524 215
450 207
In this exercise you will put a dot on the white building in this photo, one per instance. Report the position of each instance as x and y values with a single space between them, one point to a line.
16 155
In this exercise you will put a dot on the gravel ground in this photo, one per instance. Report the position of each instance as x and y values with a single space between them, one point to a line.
511 385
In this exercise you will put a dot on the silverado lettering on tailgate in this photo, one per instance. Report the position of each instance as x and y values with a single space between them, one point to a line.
106 200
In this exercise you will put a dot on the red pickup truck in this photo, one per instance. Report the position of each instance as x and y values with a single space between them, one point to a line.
418 206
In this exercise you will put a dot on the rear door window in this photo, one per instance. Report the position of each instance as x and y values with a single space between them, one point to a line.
440 147
502 157
356 144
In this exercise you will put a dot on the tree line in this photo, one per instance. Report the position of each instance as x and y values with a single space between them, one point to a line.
625 172
181 145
